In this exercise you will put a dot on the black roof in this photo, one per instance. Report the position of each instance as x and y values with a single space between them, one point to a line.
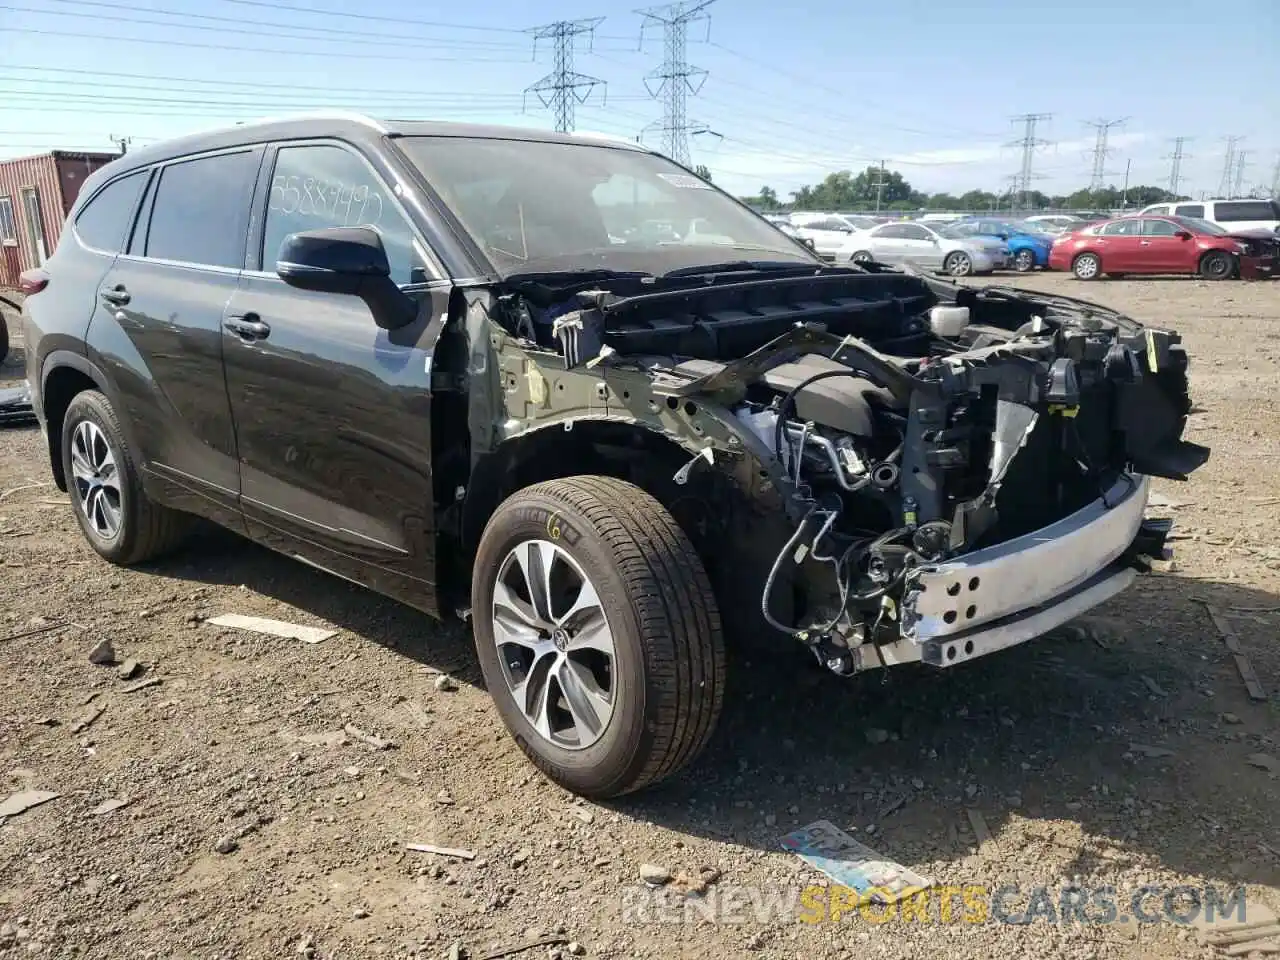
347 126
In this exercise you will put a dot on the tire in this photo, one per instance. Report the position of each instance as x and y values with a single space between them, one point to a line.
958 264
1087 266
1024 261
861 256
142 529
1217 265
666 672
4 337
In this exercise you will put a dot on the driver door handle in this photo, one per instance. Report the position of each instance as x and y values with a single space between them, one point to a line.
248 327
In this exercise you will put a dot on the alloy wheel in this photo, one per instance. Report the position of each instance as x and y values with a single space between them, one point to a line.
1024 261
555 646
1086 267
97 479
959 265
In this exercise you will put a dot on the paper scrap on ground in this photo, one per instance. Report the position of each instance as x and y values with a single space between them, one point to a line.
846 861
21 802
275 628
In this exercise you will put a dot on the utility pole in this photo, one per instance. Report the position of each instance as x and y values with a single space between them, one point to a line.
676 78
879 185
121 142
1124 197
1100 151
1238 189
1275 179
1029 143
1175 171
563 88
1228 168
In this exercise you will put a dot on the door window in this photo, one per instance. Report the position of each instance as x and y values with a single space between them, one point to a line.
1190 210
912 232
200 211
892 231
1230 210
1159 228
1157 210
318 186
1122 228
104 220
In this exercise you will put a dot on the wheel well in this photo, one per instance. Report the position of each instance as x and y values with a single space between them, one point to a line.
60 388
714 506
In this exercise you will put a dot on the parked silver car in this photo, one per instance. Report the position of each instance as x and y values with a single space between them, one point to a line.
926 247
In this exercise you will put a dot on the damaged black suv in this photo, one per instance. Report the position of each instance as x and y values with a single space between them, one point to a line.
564 388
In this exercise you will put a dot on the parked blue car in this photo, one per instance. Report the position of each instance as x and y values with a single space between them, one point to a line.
1028 246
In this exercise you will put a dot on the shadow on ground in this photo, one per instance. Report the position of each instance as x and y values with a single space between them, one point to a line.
1042 732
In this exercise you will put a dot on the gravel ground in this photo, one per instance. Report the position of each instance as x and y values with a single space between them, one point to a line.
256 827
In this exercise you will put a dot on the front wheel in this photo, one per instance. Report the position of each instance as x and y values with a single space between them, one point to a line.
861 256
958 265
1024 261
1217 265
598 634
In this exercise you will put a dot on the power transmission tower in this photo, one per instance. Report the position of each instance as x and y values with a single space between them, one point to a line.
563 88
1238 189
1175 171
1100 151
676 78
121 142
1029 143
1228 167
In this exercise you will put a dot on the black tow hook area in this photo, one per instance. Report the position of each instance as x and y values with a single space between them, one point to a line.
1149 543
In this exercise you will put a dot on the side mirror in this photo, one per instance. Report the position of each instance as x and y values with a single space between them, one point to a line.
346 260
1003 236
1183 234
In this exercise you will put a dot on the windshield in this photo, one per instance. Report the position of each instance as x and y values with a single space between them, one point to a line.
547 207
1202 226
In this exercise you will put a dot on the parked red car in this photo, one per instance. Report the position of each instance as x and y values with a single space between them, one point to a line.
1166 245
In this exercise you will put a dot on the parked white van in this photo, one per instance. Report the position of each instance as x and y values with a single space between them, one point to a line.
1230 214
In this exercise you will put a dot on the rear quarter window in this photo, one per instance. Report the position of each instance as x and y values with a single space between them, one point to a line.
105 219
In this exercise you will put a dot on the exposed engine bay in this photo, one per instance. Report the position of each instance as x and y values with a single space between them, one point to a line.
960 468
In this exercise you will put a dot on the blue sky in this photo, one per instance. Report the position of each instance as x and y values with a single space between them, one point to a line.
928 86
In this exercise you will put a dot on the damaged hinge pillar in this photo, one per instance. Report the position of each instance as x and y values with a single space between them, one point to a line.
927 417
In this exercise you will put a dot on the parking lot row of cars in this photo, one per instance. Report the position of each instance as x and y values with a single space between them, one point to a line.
1241 240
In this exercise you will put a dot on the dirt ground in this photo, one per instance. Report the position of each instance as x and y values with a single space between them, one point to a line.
1114 755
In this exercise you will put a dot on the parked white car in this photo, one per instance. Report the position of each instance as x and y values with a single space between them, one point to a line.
926 247
828 231
1231 215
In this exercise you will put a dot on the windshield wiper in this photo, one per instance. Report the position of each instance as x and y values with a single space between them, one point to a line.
737 266
578 274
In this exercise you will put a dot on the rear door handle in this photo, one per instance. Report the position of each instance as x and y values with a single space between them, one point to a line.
117 296
248 327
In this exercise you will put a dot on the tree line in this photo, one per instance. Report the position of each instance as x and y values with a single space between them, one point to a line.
846 190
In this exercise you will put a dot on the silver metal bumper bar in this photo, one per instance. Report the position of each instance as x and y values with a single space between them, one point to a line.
1031 574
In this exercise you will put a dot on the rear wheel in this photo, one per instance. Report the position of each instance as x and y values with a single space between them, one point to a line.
115 514
598 634
861 256
1087 266
958 265
1024 261
1217 265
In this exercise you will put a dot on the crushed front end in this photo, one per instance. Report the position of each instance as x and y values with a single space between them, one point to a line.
935 472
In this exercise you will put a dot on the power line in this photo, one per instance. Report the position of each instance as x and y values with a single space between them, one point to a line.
345 34
1100 151
1029 143
1228 167
327 54
1176 158
563 87
676 78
